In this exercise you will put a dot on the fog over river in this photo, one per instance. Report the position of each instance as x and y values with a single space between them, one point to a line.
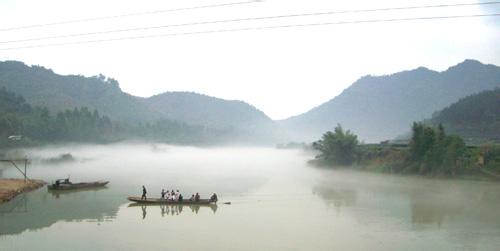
278 202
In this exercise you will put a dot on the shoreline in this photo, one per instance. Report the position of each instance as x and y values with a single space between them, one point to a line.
473 175
10 188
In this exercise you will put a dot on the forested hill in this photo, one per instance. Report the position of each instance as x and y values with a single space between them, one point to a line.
476 118
36 124
200 109
22 125
379 108
42 87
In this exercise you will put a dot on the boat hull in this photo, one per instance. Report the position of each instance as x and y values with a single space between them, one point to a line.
169 202
76 186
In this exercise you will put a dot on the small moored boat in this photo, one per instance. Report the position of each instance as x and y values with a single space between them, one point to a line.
65 184
164 201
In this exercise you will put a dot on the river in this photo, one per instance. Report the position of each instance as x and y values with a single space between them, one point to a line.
278 202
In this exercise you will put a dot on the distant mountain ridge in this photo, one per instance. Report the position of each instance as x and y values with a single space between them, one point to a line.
199 109
379 108
43 87
374 107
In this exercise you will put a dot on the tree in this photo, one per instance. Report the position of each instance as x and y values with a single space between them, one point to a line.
433 151
338 147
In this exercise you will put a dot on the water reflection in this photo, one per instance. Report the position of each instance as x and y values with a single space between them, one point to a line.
41 209
173 210
429 209
59 193
420 204
338 197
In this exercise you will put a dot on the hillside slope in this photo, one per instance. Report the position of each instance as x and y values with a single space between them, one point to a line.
204 110
476 118
43 87
379 108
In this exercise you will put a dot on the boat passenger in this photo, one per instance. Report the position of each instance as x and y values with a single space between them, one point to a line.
213 198
163 193
192 197
168 195
177 195
180 198
197 197
144 192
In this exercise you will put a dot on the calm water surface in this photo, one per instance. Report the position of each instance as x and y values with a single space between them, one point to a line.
278 203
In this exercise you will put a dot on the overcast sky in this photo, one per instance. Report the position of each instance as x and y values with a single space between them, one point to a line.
283 72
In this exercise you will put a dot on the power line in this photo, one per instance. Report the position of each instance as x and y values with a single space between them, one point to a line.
250 29
244 19
91 19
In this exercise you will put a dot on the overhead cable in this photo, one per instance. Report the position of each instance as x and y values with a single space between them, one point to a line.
250 29
92 19
241 20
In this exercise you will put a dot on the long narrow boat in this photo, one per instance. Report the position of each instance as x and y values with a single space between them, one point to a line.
74 186
168 202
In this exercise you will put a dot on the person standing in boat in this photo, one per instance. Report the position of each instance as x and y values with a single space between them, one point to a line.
214 198
144 192
197 197
167 195
163 193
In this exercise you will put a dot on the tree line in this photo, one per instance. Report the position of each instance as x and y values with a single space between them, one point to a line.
430 152
37 125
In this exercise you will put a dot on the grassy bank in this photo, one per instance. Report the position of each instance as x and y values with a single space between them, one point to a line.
10 188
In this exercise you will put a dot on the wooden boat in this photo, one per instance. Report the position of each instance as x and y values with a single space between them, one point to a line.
169 202
74 186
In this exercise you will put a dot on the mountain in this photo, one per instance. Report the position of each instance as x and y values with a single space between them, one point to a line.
241 121
374 107
381 107
42 87
476 118
198 109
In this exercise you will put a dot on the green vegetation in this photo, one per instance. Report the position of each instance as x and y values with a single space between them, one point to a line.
434 152
475 118
338 147
431 152
36 125
189 114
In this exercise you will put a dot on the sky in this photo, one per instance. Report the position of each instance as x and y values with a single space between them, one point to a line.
283 71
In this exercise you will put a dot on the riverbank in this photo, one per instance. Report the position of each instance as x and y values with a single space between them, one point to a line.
10 188
476 163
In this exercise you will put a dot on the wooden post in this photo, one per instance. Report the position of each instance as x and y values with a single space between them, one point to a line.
25 172
13 162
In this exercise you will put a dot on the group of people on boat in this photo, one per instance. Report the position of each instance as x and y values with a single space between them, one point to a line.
172 196
175 195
